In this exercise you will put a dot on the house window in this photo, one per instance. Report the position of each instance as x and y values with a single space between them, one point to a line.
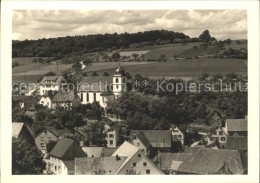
148 171
87 97
223 138
45 132
42 102
111 142
111 136
220 133
144 164
81 96
123 80
180 136
42 144
134 164
139 155
116 80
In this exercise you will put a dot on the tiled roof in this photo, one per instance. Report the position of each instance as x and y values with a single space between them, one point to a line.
98 165
236 124
157 138
57 133
66 97
191 149
237 143
143 139
70 164
166 159
99 83
61 148
95 151
16 128
107 151
210 161
54 79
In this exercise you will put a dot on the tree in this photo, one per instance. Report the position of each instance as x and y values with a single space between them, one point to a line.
76 66
105 74
135 55
40 115
116 56
77 119
26 159
228 41
50 145
163 58
94 74
205 36
87 61
203 76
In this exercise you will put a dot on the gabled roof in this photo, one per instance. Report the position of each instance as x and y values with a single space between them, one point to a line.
167 160
236 143
210 161
143 139
157 138
98 165
191 149
61 147
57 133
54 79
107 151
70 164
128 150
236 124
98 83
95 151
16 128
65 97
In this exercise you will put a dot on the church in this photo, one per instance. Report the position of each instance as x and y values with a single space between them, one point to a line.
102 88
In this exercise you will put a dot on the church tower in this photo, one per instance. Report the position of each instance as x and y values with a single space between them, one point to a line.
119 82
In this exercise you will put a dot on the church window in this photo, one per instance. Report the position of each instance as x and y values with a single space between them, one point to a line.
116 80
81 97
116 86
87 97
94 96
123 80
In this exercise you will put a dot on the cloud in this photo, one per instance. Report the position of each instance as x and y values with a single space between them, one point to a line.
37 24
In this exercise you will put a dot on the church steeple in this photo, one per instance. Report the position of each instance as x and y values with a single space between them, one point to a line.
119 81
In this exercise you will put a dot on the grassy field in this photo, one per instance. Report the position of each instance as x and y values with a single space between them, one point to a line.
23 60
169 51
237 46
111 65
25 79
186 68
39 69
191 52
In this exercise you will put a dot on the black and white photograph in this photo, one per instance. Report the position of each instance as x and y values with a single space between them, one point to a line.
131 92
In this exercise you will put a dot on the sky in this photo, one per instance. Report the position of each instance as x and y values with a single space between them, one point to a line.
38 24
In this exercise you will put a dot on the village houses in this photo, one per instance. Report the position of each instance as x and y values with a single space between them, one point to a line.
52 83
62 157
127 159
46 135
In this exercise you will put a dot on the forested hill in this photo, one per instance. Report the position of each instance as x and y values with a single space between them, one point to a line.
58 47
